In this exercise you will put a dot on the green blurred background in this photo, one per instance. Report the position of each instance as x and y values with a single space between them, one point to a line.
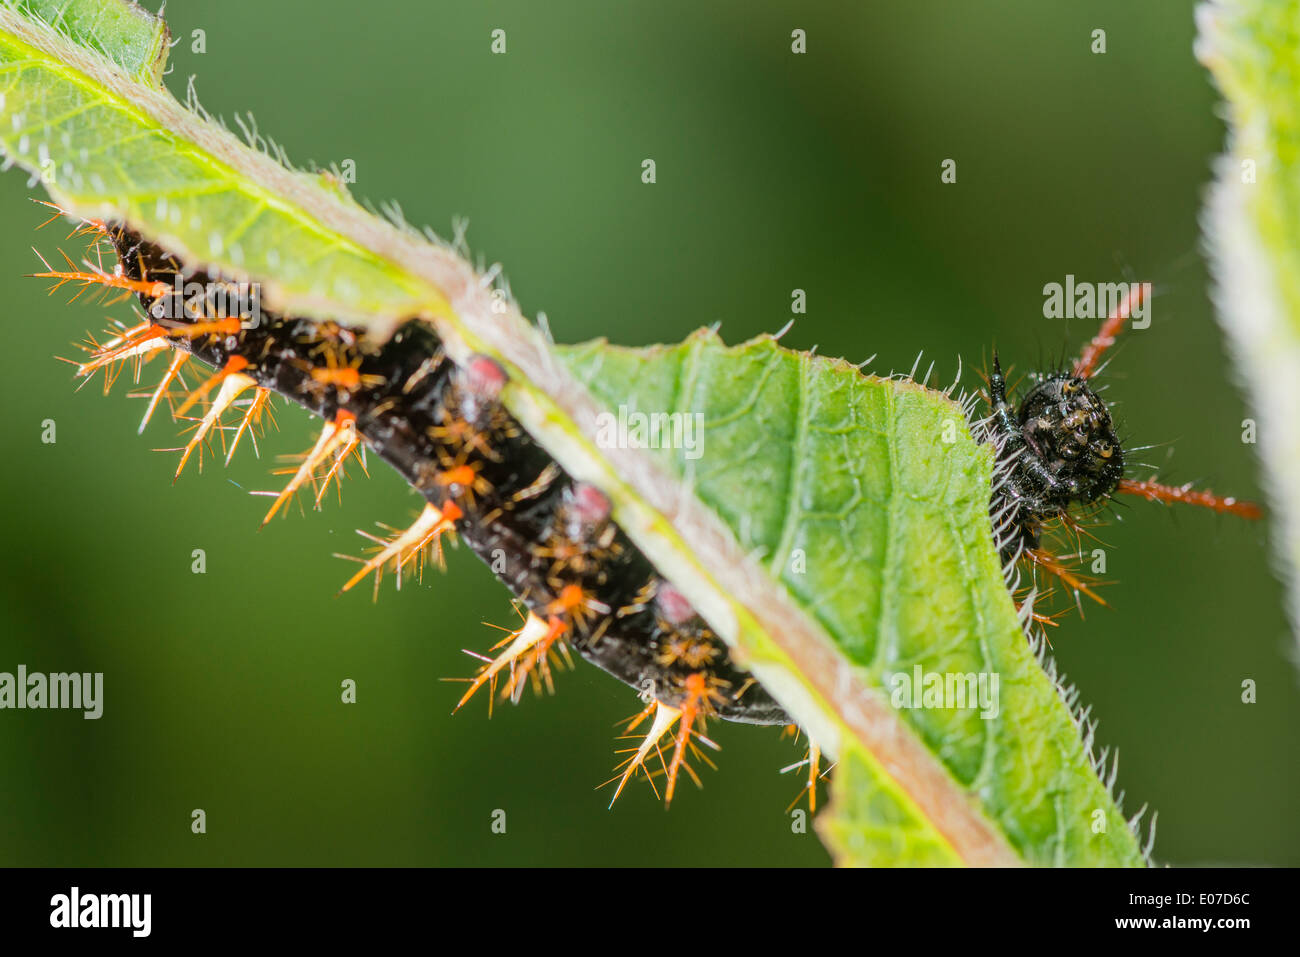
775 172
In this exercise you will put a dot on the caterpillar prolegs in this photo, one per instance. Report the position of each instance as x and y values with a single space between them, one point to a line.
583 584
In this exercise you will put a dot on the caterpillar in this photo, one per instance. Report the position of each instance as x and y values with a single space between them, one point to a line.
1061 460
584 586
437 415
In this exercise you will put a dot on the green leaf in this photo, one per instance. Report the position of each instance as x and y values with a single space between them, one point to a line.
867 501
1252 227
834 528
106 144
124 33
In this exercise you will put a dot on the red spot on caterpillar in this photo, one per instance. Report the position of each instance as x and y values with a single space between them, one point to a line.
673 605
590 506
484 378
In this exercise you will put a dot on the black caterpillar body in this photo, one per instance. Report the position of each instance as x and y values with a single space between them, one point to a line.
522 514
1063 448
